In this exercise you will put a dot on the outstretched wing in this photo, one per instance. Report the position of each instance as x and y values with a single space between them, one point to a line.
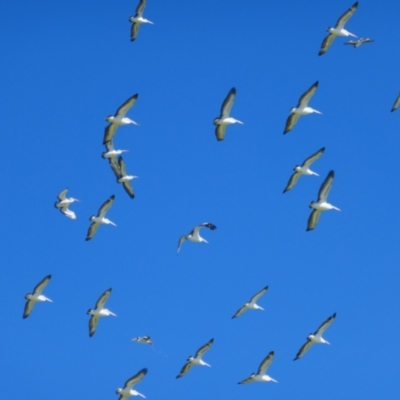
303 349
135 379
220 131
93 321
28 308
109 133
103 298
41 285
203 349
228 103
266 363
180 242
306 96
123 109
291 122
313 219
258 295
326 44
325 325
292 181
106 206
128 189
346 16
61 195
185 369
326 186
240 311
308 161
134 31
140 8
67 212
92 230
396 103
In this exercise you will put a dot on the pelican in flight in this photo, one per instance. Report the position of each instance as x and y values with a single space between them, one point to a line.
303 169
64 202
101 218
138 19
316 337
111 152
143 339
338 30
194 235
261 375
122 177
251 305
37 295
359 42
99 311
224 119
396 103
301 109
128 391
321 204
119 119
196 360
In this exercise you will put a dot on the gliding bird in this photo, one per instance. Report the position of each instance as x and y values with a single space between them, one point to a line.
64 202
138 20
101 218
36 296
359 42
111 152
251 305
261 376
194 235
142 339
99 311
122 177
128 391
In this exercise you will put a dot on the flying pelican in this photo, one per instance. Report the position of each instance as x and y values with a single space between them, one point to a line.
119 119
303 169
122 177
142 339
100 219
251 305
301 109
127 391
224 119
99 311
322 204
316 337
194 235
338 30
111 152
396 103
64 202
359 42
138 20
196 360
37 295
261 376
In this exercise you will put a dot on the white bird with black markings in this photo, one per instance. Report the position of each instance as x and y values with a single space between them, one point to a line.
316 337
338 30
301 109
119 119
119 169
396 103
251 305
36 296
138 20
128 391
194 235
225 119
64 202
100 218
196 360
359 42
303 169
99 311
322 203
261 375
142 339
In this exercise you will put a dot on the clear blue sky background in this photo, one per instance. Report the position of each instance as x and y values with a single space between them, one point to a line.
66 66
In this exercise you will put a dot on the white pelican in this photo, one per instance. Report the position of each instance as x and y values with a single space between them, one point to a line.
122 177
127 391
251 305
99 311
194 235
303 169
143 339
37 295
316 337
359 42
101 218
196 360
321 204
64 202
119 119
396 103
111 152
338 30
261 376
301 109
224 119
138 19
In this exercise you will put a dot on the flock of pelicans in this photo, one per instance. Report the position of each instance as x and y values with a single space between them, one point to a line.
118 166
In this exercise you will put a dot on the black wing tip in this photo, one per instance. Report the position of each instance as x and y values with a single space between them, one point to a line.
144 371
334 315
309 229
355 4
316 83
135 96
178 376
296 358
112 197
331 173
25 316
321 53
87 238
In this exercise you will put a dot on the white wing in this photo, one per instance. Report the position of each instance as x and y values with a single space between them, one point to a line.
306 96
135 379
61 195
203 349
396 103
228 103
326 186
240 311
122 110
303 349
266 363
102 299
346 16
109 133
220 131
185 369
41 285
292 181
106 206
67 212
134 30
325 325
92 230
291 122
180 242
313 219
258 295
28 308
93 321
140 8
308 161
326 43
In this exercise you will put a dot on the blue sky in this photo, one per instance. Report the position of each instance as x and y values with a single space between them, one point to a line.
67 66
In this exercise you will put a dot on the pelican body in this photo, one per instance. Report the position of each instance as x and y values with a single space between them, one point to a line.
261 375
128 391
36 296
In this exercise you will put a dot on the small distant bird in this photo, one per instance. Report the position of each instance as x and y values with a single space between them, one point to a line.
321 204
396 103
261 376
142 339
122 177
304 169
251 305
111 152
194 235
316 337
99 311
359 42
301 109
119 119
101 218
224 119
138 19
338 30
64 202
128 391
36 296
196 360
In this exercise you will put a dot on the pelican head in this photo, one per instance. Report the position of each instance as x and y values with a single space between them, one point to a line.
28 296
89 312
92 218
131 19
311 204
292 110
215 122
118 391
297 168
110 118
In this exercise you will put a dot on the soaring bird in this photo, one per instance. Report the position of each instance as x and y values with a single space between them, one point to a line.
142 339
138 20
359 42
261 375
194 235
122 177
251 305
128 391
100 218
99 311
36 296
